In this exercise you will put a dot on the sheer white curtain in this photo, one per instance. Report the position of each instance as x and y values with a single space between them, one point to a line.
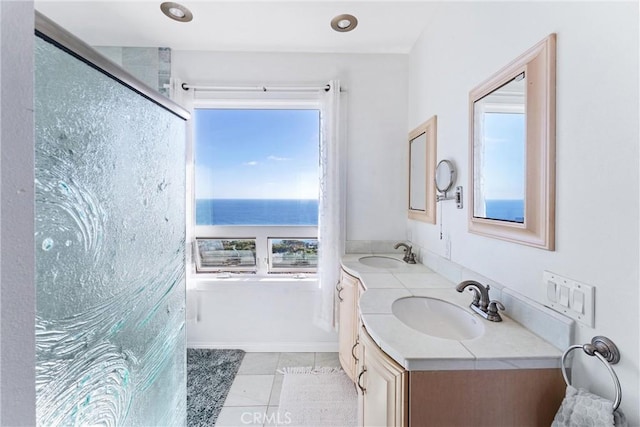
331 223
185 99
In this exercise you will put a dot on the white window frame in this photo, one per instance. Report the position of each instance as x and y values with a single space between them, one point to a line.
261 233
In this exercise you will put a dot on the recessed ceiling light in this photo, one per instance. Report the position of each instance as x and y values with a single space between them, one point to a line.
343 23
176 11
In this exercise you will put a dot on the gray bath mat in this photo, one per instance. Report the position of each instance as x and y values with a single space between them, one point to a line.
209 377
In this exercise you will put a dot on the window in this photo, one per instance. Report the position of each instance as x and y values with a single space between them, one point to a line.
256 180
292 255
216 255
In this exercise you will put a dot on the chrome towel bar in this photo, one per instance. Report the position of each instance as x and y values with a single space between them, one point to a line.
607 352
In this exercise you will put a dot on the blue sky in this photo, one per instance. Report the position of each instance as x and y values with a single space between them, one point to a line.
504 165
256 154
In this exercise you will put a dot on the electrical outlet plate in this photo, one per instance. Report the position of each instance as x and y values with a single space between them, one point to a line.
569 297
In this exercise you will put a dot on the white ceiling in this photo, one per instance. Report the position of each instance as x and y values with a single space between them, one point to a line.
256 26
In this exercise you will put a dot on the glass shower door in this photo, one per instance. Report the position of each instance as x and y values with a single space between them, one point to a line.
110 236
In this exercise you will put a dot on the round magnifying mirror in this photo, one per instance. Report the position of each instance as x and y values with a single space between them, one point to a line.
445 176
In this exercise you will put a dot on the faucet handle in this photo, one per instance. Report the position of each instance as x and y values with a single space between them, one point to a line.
494 306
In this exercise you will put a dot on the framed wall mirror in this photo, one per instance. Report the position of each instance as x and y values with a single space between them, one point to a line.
512 150
422 161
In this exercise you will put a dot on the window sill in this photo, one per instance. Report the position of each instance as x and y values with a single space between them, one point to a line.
203 283
239 277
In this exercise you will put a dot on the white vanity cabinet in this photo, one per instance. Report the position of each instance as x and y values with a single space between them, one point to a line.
382 383
349 290
503 385
389 395
382 387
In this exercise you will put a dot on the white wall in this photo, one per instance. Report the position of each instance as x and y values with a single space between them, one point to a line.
597 156
17 289
376 100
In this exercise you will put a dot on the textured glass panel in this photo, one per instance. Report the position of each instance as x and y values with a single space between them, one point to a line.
110 227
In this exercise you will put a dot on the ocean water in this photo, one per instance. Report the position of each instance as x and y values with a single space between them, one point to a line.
507 210
256 212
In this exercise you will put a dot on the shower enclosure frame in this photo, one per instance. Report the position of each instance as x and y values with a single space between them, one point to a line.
52 32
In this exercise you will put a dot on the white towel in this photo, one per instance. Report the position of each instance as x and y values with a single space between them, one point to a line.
583 409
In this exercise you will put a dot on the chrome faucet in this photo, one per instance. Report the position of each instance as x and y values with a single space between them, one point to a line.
409 257
481 303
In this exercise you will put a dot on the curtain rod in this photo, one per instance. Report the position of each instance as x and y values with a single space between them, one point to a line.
325 87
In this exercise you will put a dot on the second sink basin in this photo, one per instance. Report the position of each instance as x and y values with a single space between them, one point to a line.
437 318
381 261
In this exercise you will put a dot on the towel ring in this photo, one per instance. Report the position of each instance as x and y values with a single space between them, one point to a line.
607 352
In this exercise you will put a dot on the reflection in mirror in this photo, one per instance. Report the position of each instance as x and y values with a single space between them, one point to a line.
417 173
422 162
499 119
512 150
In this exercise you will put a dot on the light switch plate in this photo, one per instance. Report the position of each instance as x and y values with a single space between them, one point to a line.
572 298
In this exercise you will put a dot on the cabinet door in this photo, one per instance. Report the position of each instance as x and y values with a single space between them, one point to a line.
384 391
347 329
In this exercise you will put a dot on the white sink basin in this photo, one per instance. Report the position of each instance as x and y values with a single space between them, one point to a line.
381 261
437 318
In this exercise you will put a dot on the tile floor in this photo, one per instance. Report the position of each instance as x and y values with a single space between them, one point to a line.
255 392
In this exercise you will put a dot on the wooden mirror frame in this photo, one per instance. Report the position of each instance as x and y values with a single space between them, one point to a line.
538 229
429 129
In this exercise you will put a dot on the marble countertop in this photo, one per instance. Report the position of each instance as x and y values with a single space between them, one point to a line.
503 345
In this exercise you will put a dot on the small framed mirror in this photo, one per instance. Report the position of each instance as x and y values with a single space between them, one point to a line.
445 176
444 180
512 150
422 156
